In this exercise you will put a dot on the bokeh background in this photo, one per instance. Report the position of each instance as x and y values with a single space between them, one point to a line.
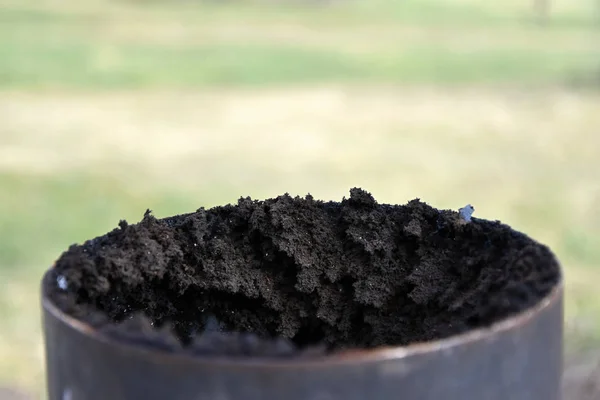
108 108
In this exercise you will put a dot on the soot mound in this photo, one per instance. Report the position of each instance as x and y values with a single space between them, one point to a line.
291 276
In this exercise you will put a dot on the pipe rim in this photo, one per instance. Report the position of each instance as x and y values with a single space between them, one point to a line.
342 357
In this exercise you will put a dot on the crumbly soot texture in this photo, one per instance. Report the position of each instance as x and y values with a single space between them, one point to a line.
297 276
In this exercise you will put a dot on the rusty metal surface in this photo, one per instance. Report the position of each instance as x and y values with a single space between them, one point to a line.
519 359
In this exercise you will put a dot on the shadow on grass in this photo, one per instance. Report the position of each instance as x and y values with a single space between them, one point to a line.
586 80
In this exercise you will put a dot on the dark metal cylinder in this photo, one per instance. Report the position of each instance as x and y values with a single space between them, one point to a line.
519 358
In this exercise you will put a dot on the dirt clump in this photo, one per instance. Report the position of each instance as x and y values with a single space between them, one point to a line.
295 276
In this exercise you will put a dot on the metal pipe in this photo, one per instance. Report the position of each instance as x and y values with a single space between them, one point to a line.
519 358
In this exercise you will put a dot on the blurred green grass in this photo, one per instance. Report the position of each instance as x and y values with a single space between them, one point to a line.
196 44
111 107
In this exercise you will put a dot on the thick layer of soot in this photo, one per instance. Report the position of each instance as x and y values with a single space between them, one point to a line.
297 276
